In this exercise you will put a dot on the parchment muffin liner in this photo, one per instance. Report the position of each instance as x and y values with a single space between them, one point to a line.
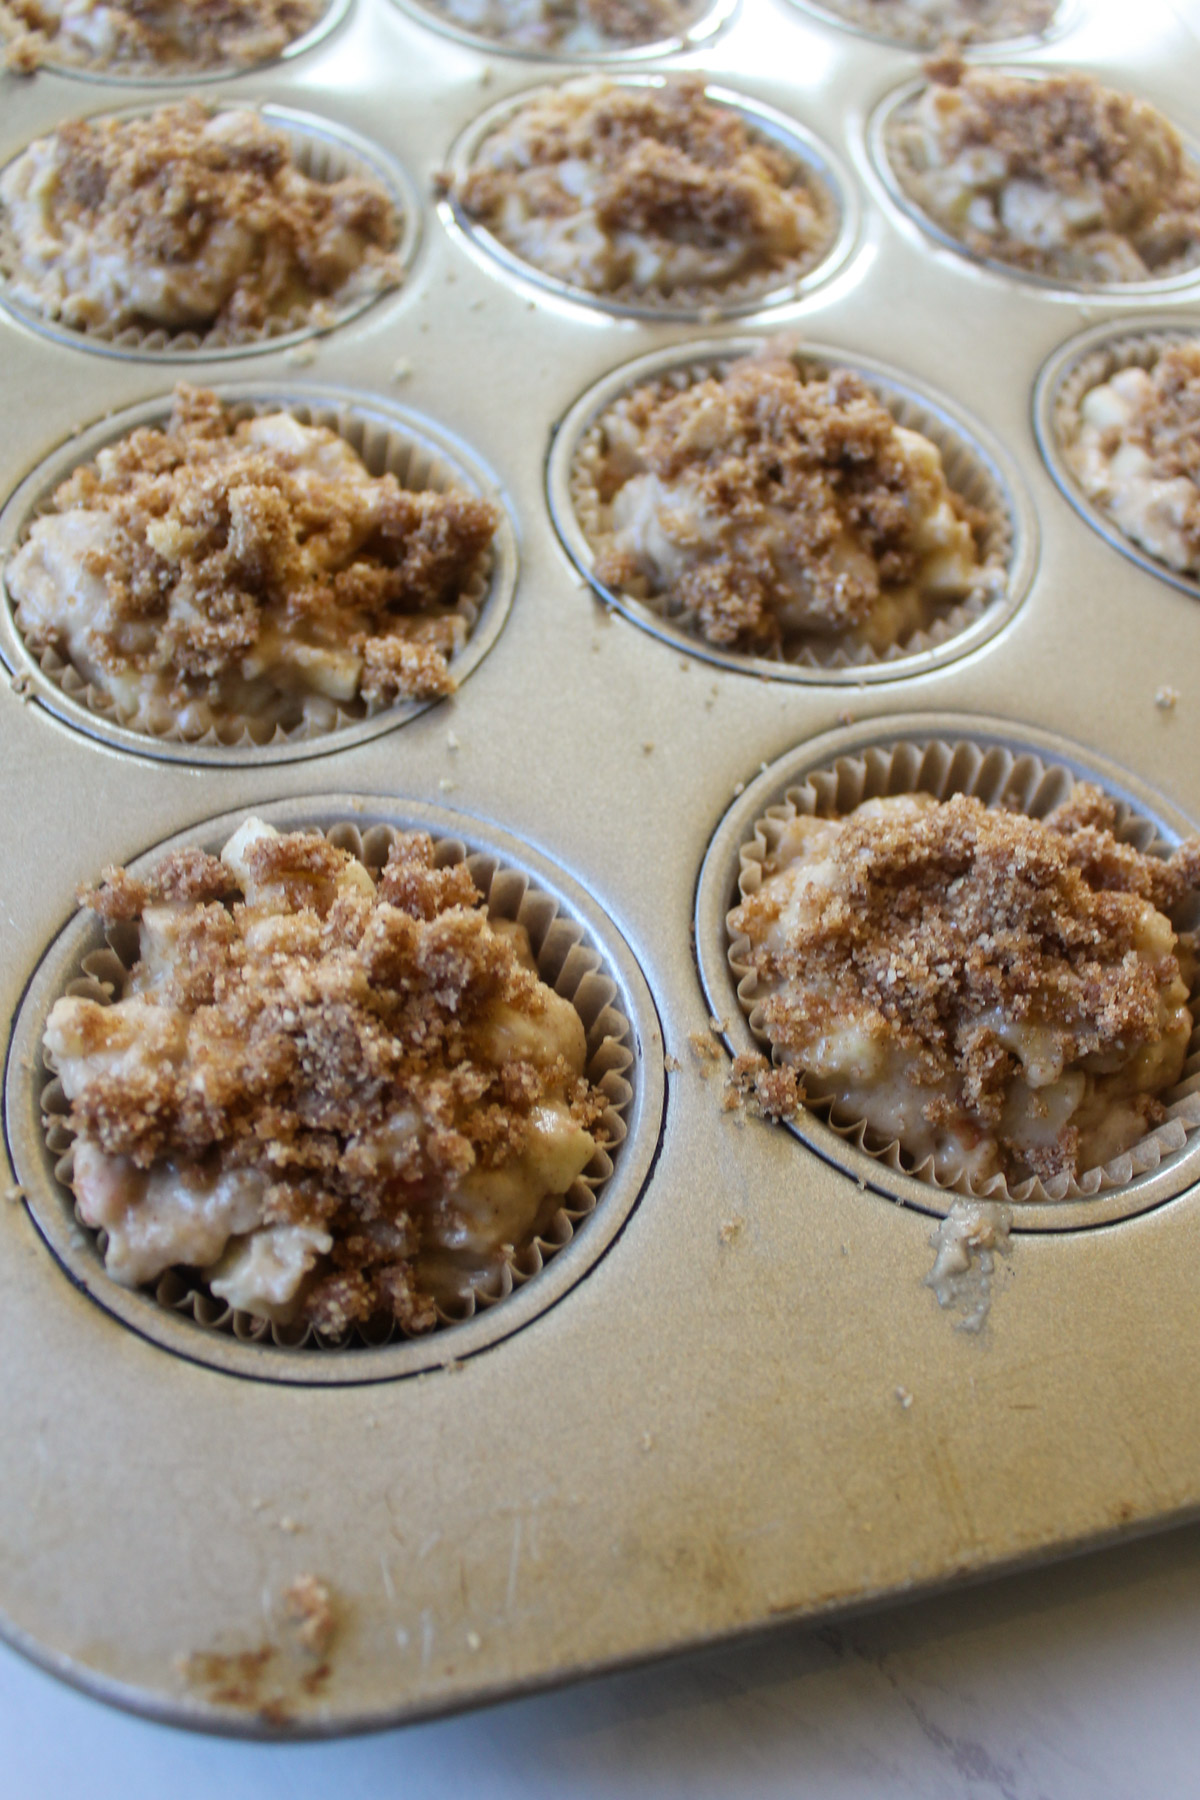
565 962
823 178
385 445
1026 783
187 74
891 135
324 152
1087 363
708 21
830 12
971 475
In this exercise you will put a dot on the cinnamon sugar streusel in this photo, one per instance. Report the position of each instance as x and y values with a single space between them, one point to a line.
152 35
1136 452
186 219
231 570
926 24
645 189
1059 176
998 994
334 1095
773 505
571 27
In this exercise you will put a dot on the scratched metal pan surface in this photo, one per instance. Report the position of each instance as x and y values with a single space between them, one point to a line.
749 1406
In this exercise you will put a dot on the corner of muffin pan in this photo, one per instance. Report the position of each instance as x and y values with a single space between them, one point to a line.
333 15
941 753
583 955
709 305
907 210
386 437
970 452
1083 362
323 149
711 20
1068 14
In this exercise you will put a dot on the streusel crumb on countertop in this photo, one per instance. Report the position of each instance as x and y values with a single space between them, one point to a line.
241 566
186 218
1056 173
338 1093
774 502
613 186
1003 982
152 34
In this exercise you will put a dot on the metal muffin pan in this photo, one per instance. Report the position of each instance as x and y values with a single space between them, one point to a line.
705 1433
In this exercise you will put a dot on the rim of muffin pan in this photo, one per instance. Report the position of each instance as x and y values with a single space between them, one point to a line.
952 428
591 961
990 756
383 428
109 75
1053 286
310 136
709 24
1067 15
823 167
1057 374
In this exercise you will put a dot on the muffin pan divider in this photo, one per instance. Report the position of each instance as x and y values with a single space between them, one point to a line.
751 1408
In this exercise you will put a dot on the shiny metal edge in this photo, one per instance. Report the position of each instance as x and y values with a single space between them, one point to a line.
74 1249
716 892
375 161
1051 379
820 161
59 464
889 382
1187 282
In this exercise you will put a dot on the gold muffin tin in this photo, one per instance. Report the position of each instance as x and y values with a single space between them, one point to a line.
748 1406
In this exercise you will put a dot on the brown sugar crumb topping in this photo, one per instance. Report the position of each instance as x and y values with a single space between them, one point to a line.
337 1037
1167 426
224 540
810 461
159 33
939 928
707 197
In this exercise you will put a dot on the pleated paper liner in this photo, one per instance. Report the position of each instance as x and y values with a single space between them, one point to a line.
182 73
323 151
565 962
893 143
1018 780
1087 362
822 175
871 21
387 440
703 23
981 476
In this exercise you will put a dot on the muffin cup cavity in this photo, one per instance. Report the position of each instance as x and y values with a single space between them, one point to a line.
189 76
826 179
888 130
1024 771
1002 40
708 22
1084 363
590 967
976 468
324 152
387 439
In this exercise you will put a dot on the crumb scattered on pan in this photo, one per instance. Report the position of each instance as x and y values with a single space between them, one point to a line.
308 1606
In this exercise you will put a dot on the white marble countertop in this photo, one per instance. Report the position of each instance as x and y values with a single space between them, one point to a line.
1067 1683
